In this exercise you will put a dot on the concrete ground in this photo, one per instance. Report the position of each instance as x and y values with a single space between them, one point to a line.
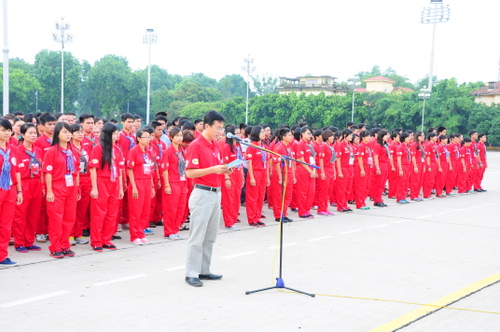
416 253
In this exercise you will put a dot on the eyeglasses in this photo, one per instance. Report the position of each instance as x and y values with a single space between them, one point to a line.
146 137
218 129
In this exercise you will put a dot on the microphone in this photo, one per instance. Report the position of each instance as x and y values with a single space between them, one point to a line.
230 135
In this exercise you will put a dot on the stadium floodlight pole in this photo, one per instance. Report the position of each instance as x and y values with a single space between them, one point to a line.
424 95
5 61
355 82
436 13
248 69
61 36
150 37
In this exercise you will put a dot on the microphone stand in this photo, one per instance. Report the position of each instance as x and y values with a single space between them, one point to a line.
280 284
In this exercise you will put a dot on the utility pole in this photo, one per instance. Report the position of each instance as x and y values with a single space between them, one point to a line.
248 68
5 61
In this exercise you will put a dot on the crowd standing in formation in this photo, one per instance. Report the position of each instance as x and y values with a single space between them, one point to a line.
64 180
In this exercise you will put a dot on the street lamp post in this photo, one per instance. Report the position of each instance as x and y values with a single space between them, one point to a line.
149 38
248 69
424 95
436 13
63 37
5 60
355 83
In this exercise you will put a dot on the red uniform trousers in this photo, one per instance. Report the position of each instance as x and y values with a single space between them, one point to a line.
293 201
480 175
379 182
231 198
403 183
173 206
42 226
473 174
104 210
123 214
138 212
277 202
462 179
333 191
7 208
429 178
344 187
360 184
254 200
27 214
416 180
190 187
62 215
373 182
83 207
305 191
451 177
323 188
155 214
393 180
441 177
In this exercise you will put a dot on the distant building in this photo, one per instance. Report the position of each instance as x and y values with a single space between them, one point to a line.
382 84
488 95
311 85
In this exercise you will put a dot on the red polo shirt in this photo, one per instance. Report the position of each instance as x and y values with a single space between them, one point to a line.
204 154
345 153
89 140
13 162
126 142
96 159
365 152
431 151
230 156
382 152
140 162
25 159
43 142
257 157
170 163
404 152
55 163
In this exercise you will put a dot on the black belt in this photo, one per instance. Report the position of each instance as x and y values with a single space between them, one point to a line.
212 189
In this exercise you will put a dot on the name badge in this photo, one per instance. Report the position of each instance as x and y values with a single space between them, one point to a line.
83 168
114 172
312 161
35 169
183 178
370 161
147 169
69 180
351 160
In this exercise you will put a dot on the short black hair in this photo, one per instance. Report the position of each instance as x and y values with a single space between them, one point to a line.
155 124
85 116
125 116
211 117
70 113
161 118
254 135
197 121
46 117
5 123
137 117
16 113
188 125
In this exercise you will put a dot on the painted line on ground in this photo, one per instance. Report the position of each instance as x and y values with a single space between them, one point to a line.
320 238
350 232
400 221
423 217
436 305
33 299
114 281
180 267
240 254
285 245
378 226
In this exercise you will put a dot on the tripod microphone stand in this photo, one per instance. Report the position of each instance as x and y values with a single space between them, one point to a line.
280 284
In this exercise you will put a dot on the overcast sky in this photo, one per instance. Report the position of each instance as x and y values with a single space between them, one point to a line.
285 38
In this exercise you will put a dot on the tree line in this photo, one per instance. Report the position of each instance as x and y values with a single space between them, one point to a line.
110 87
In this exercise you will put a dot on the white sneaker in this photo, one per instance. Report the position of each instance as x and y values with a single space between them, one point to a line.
234 228
81 240
72 241
145 241
120 228
137 241
41 238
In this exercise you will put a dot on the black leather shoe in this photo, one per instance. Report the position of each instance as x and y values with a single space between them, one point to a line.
210 276
287 219
195 282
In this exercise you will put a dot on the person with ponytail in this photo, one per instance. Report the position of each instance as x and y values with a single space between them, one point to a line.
233 183
404 160
432 164
345 170
327 158
381 155
278 182
10 189
362 170
417 167
28 212
257 177
62 180
174 200
306 186
106 168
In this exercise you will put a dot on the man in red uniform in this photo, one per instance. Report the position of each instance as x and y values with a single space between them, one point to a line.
204 165
87 123
125 142
482 164
158 147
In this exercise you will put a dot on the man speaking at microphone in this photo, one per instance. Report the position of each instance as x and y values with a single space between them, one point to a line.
205 166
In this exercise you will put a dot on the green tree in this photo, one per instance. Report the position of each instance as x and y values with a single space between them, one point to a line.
194 92
232 86
22 87
265 84
199 109
204 81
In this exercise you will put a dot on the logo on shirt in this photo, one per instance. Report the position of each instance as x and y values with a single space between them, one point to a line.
14 161
49 168
195 161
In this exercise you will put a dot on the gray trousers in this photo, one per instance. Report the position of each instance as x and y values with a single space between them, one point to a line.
205 217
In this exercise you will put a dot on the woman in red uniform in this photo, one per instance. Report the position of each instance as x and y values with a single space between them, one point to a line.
454 151
445 164
60 167
30 168
404 160
173 168
327 173
345 170
141 191
10 181
106 163
418 161
465 166
283 147
362 170
257 178
393 177
432 164
231 190
307 175
381 155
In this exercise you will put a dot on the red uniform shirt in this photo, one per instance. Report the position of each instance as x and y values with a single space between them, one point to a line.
89 141
140 162
382 152
284 151
346 153
117 161
170 162
83 157
257 157
431 151
443 153
365 152
418 151
126 142
43 142
328 155
13 162
28 166
306 151
204 154
482 153
404 152
466 155
55 163
229 156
